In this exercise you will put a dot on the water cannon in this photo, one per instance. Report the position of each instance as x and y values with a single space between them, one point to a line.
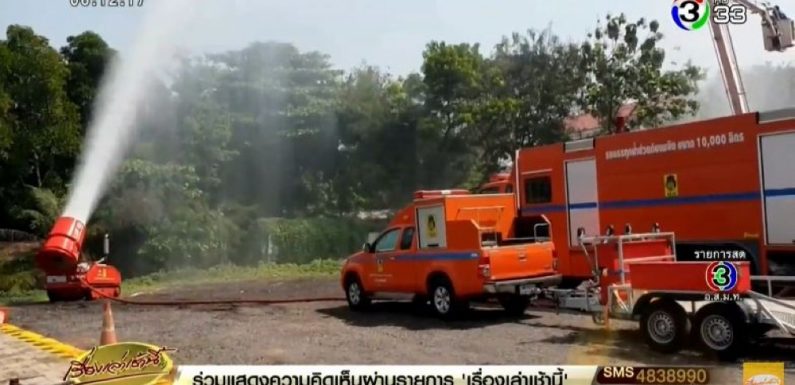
61 250
67 277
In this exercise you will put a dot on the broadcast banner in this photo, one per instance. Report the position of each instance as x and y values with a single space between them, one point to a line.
385 375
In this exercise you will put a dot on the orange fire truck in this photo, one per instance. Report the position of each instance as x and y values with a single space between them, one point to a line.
725 187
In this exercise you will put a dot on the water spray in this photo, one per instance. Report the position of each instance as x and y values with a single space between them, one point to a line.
109 135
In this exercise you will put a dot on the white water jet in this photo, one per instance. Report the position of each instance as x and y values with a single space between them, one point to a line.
123 89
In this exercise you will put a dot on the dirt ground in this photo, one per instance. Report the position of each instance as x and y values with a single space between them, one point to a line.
328 333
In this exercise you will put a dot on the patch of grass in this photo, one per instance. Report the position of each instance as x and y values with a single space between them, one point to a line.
231 273
18 282
19 279
22 297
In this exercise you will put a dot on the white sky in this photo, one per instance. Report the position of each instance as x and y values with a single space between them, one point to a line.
388 33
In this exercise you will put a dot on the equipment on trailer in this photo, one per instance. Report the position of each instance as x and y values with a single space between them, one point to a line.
67 277
637 277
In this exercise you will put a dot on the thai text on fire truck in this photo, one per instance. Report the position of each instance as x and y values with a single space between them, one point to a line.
702 142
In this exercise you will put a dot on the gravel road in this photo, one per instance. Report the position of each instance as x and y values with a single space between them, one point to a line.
328 333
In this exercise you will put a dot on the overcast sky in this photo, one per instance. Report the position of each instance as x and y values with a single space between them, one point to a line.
387 33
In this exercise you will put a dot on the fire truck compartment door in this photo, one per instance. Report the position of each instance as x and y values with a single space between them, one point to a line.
778 181
581 198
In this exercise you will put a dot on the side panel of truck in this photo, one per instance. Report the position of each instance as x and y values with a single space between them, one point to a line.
698 180
777 154
582 198
701 180
725 183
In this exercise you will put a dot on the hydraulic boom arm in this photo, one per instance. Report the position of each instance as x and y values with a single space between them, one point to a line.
778 36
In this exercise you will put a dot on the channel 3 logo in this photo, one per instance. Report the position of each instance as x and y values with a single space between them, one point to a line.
721 276
692 15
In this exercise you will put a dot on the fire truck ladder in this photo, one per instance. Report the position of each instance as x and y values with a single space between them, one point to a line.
778 32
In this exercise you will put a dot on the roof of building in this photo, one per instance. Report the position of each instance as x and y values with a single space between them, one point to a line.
579 125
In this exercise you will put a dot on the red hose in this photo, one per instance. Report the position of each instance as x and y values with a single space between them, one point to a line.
215 302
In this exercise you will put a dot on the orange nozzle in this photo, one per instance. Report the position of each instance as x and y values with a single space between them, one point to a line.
61 250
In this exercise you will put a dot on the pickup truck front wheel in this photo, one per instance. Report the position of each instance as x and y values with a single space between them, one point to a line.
355 295
443 299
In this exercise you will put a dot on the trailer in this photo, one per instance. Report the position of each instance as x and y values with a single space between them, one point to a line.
725 186
712 304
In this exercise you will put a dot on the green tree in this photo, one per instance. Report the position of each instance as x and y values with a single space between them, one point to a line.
6 133
44 121
39 126
87 56
453 76
624 63
39 208
534 84
282 109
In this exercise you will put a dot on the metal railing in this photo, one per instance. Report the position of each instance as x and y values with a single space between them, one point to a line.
769 279
620 240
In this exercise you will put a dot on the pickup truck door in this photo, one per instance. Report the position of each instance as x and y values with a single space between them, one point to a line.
402 263
380 272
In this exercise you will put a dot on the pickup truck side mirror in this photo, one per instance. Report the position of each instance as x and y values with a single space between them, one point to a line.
367 247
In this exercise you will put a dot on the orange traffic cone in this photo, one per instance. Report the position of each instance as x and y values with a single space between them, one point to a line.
108 336
3 315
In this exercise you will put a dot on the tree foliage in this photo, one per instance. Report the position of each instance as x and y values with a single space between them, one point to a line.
624 62
269 143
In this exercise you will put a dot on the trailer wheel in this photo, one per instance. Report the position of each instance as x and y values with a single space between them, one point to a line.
443 300
515 305
665 326
355 295
722 330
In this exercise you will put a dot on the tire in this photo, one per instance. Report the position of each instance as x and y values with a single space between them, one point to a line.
355 294
721 329
515 305
53 296
665 326
443 300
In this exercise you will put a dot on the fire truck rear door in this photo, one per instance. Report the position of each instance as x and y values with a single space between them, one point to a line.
581 198
778 182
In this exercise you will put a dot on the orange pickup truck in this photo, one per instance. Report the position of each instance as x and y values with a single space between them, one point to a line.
449 247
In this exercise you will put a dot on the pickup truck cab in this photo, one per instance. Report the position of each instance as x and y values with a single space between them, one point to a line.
449 247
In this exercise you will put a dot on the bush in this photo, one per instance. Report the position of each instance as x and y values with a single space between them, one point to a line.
302 240
19 274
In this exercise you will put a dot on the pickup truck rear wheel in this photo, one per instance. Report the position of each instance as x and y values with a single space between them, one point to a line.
355 295
515 305
443 300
